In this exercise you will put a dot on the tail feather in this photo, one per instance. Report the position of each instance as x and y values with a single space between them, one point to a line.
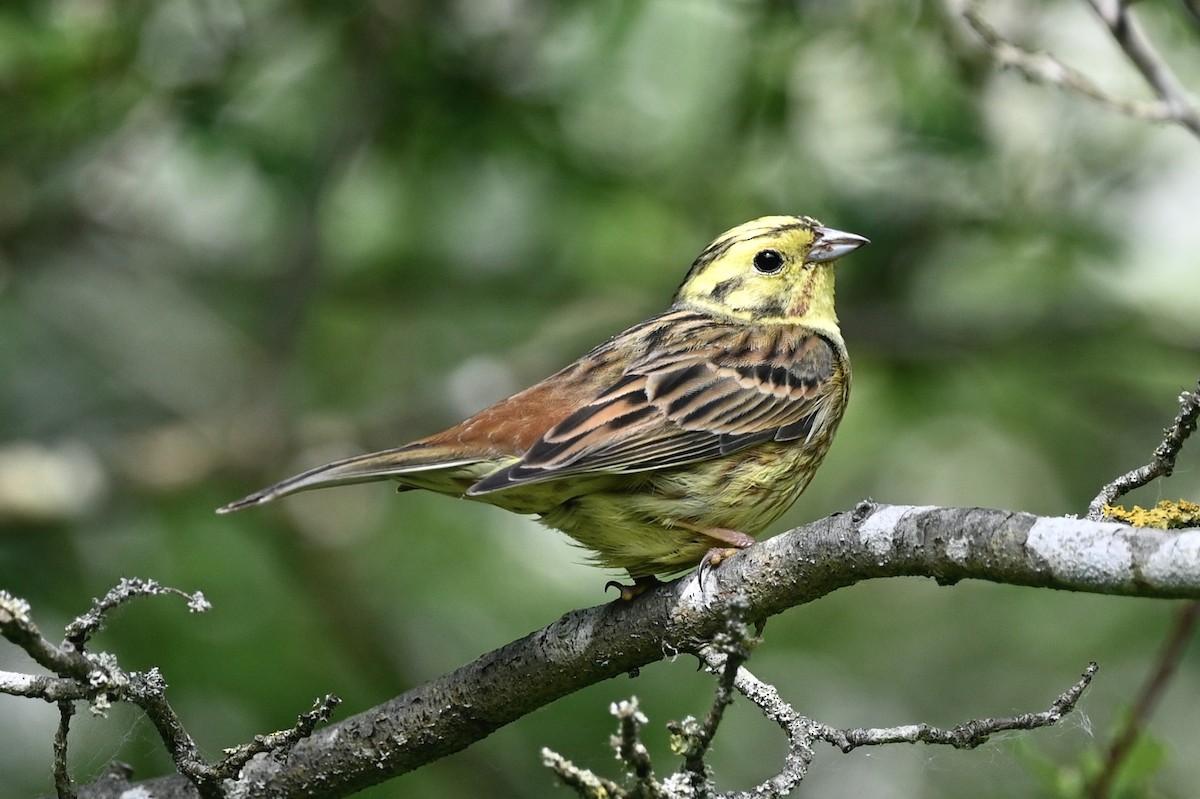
356 469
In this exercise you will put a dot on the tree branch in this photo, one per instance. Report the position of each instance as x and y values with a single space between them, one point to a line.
83 628
586 646
729 649
1165 454
797 729
63 784
583 647
1128 33
1148 698
693 780
99 679
1173 103
965 736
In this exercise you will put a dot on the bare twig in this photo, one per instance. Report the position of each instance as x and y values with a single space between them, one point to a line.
1173 103
693 739
1165 454
797 729
1125 29
800 732
40 686
967 735
586 783
1044 68
82 628
17 626
148 691
64 786
99 679
279 743
1148 698
630 751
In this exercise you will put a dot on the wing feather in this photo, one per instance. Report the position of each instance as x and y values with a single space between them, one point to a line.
686 401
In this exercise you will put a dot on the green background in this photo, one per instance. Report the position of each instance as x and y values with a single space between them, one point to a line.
238 239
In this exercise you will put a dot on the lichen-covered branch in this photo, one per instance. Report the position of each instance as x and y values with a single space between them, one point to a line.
967 735
82 628
586 646
797 730
97 678
1163 463
729 649
63 784
692 780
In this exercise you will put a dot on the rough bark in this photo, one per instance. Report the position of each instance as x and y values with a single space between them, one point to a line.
583 647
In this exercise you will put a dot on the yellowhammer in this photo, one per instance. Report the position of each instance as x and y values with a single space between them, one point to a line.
689 432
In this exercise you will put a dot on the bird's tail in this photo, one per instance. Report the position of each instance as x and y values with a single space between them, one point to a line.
357 469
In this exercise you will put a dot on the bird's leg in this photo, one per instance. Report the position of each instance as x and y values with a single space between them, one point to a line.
640 586
732 539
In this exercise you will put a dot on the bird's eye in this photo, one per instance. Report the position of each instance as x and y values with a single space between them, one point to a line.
768 261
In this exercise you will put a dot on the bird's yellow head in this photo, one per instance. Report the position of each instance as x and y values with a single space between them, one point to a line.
774 269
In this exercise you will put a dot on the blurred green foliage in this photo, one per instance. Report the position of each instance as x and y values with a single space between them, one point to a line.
240 238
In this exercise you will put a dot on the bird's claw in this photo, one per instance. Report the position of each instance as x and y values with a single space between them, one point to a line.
630 592
711 560
715 555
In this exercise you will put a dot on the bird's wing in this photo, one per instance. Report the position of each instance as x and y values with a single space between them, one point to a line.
688 402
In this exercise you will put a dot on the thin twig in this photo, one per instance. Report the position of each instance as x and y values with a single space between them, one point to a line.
586 783
1148 698
801 731
17 626
967 735
82 628
797 729
1044 68
64 786
98 678
279 743
148 691
632 751
732 649
1128 33
1165 455
1174 104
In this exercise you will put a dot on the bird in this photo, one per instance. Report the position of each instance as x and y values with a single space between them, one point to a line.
674 443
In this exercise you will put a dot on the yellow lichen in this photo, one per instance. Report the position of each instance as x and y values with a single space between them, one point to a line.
1165 515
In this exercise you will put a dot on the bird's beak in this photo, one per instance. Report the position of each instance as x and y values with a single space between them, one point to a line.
833 244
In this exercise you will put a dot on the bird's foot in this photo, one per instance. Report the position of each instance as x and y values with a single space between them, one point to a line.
715 555
640 586
733 540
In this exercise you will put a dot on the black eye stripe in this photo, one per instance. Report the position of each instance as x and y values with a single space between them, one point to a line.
768 261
